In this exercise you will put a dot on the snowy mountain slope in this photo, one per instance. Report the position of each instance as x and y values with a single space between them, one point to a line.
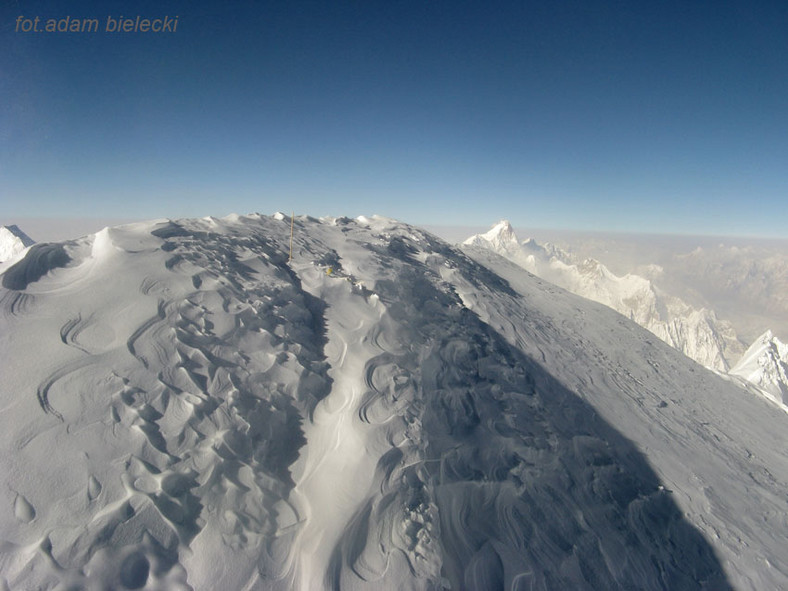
765 364
707 439
12 242
184 408
696 332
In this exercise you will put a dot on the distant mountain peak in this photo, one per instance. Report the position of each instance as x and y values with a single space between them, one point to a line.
13 241
765 364
767 338
503 229
503 225
15 231
501 235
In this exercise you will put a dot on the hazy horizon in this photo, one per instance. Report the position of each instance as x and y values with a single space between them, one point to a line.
52 229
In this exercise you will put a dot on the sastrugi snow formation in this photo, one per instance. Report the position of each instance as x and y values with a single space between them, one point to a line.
184 407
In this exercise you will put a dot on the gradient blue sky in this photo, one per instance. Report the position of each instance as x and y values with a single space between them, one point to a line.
655 116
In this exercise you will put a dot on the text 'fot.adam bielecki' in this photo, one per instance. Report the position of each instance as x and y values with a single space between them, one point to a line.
120 24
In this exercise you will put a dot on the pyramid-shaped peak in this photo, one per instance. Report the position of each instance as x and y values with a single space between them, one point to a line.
502 228
16 232
501 233
500 236
13 241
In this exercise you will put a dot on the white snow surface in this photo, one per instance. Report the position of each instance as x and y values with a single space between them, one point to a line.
698 333
184 408
13 241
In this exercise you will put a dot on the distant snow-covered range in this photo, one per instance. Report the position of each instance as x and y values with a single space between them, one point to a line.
698 333
12 242
186 407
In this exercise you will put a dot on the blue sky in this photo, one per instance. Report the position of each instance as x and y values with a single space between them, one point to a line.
627 116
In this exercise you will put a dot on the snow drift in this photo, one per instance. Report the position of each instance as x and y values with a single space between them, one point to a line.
184 408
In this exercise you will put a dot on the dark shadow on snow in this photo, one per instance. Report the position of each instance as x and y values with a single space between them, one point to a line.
533 489
39 260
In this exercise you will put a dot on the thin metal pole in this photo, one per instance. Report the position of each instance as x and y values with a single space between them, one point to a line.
292 214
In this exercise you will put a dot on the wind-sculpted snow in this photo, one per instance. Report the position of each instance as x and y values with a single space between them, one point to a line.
185 408
39 260
192 421
523 487
712 444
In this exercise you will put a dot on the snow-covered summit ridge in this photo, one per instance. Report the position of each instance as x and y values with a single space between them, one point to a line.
698 333
186 408
12 242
